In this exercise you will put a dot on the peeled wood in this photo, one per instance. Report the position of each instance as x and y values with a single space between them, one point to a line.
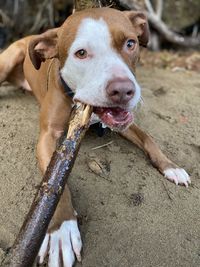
32 233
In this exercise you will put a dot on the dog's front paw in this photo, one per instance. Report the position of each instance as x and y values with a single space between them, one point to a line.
61 245
178 176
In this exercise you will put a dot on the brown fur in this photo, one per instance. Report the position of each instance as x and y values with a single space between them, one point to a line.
30 63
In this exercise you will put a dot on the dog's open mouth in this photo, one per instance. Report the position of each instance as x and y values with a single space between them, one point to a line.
115 118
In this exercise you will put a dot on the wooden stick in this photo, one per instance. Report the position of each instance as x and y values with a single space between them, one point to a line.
33 231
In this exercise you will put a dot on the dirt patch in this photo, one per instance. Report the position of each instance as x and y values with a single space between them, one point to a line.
129 214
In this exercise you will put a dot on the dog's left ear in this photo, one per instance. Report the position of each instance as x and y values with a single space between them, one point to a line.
42 47
140 24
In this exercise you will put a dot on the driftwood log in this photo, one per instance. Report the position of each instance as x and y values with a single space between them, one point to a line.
31 235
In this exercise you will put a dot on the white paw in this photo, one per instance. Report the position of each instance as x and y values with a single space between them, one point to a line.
61 245
178 176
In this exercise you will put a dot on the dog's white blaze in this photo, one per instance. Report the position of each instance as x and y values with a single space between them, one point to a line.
90 76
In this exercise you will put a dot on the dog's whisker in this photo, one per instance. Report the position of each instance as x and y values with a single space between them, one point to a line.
142 101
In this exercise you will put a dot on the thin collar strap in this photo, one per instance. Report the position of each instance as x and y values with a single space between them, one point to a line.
67 89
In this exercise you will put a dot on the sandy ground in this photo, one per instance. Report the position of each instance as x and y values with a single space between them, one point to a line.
130 215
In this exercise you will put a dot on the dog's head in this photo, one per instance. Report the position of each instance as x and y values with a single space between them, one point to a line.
98 50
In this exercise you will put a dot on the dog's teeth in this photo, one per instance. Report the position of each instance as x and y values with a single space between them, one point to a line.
103 125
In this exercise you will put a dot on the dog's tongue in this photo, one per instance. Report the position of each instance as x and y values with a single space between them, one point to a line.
114 118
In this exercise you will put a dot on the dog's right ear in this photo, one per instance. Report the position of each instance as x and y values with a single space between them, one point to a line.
140 24
42 47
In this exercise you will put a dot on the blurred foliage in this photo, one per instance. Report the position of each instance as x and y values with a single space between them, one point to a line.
25 17
179 14
22 17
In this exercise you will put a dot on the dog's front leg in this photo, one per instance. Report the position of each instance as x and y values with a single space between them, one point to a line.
169 169
63 239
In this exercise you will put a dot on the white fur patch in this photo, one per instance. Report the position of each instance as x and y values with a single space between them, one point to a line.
94 119
91 75
66 240
178 176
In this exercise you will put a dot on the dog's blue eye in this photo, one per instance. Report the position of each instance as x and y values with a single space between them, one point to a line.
82 53
131 44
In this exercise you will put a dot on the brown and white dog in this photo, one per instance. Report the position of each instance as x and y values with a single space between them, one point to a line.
95 53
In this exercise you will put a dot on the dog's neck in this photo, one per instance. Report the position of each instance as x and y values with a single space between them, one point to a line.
67 89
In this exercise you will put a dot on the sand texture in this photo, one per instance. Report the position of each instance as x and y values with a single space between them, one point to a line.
129 214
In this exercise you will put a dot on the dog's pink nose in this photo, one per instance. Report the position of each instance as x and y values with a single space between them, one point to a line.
120 91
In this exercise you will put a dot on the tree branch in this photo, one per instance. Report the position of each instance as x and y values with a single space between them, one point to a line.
149 6
159 8
39 22
171 36
5 20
